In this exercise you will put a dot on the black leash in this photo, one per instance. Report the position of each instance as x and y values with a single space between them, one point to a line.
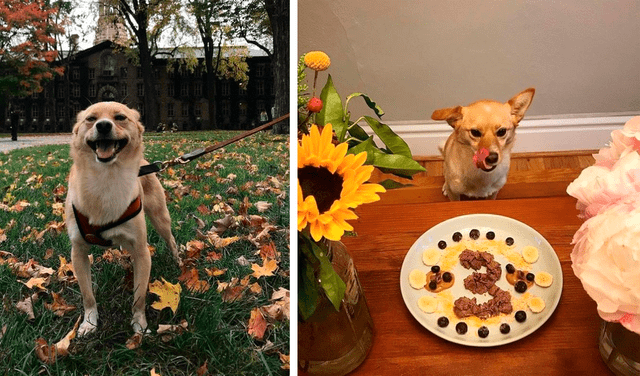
158 166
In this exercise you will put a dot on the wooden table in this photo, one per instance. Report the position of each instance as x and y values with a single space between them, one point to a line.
567 344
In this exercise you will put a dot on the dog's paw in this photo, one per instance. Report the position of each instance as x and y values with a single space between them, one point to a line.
140 325
86 328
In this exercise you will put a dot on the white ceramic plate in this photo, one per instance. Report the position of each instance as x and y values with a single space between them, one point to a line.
503 227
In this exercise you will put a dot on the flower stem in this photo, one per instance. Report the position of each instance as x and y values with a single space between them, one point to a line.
315 79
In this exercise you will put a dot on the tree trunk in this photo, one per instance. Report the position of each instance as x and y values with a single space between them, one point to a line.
278 11
211 82
148 75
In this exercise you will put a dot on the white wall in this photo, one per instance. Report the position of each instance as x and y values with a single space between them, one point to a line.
412 57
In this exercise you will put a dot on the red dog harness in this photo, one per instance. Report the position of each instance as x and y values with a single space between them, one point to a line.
91 233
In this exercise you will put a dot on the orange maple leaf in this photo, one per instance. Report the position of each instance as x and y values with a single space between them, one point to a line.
257 324
267 269
192 282
168 293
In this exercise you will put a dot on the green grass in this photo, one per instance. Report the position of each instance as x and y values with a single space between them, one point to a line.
217 330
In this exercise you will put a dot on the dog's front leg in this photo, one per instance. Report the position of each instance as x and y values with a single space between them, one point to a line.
82 271
141 260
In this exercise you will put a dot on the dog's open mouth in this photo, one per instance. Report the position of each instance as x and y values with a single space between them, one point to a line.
107 149
486 168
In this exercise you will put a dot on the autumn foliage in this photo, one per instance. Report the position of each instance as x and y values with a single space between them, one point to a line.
27 45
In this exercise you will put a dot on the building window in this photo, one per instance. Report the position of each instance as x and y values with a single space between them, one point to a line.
35 95
184 89
197 89
242 89
60 91
46 92
226 89
260 87
47 112
108 65
92 73
124 72
75 74
60 111
141 90
124 89
92 90
260 69
197 109
76 108
226 109
170 112
171 73
75 90
171 90
34 112
185 109
139 73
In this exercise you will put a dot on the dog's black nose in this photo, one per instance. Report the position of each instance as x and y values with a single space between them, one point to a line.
103 126
492 158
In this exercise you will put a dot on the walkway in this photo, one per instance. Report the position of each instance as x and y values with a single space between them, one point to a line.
25 141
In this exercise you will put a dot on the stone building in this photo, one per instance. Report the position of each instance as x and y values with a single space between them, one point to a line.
104 72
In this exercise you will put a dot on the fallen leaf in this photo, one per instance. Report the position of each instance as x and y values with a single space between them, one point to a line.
194 248
215 272
39 282
65 271
59 306
49 353
48 253
244 207
232 293
284 359
170 328
268 251
266 270
168 293
151 249
257 324
134 342
263 206
213 256
26 305
203 369
242 261
222 225
192 281
255 288
202 209
218 242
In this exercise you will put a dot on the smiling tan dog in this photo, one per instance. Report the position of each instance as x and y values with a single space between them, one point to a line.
106 201
477 154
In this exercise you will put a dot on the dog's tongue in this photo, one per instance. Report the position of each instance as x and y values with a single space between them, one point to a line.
105 149
479 157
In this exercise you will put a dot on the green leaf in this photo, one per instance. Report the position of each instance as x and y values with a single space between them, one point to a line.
308 296
356 131
332 111
330 281
394 143
372 105
367 145
389 163
392 184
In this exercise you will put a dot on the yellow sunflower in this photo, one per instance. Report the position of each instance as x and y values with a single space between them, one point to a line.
330 184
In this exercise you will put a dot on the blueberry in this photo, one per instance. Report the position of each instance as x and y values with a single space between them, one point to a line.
491 235
474 234
509 241
521 316
442 244
443 322
433 285
483 332
505 328
435 269
530 277
447 277
456 237
520 286
461 328
510 268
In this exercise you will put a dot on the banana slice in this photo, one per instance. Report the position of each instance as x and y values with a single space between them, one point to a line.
417 279
431 256
536 304
428 304
543 279
530 254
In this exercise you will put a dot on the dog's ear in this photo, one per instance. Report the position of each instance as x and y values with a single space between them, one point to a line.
451 114
520 103
79 118
135 115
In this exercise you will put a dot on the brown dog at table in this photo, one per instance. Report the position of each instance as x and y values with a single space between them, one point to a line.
107 201
477 154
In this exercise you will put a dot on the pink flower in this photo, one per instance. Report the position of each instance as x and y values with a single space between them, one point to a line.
606 259
626 139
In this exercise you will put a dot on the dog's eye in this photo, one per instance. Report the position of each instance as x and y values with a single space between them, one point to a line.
501 132
476 133
120 117
91 119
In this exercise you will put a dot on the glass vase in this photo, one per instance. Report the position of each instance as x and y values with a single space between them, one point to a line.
620 349
332 342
